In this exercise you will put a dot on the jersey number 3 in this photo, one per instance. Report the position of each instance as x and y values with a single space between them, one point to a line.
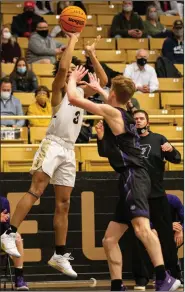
76 119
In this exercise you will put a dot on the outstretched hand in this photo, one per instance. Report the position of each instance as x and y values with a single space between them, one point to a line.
94 82
100 129
91 48
70 35
78 73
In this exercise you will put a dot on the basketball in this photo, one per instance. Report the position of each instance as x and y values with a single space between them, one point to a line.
72 19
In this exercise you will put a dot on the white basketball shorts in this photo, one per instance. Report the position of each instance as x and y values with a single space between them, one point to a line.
57 161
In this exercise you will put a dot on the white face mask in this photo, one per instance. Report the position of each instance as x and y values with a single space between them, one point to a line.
127 8
5 95
7 35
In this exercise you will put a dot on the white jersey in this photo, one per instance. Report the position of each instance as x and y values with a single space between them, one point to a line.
66 123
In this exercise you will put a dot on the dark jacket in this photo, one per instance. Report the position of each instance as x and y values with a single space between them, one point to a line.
120 25
173 50
25 83
20 24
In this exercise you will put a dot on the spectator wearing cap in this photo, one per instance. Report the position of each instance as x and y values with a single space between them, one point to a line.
42 48
25 23
127 24
173 47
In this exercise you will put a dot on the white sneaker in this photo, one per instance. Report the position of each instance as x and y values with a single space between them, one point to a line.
8 244
62 264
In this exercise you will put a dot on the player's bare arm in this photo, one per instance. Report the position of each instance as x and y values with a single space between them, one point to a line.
111 115
90 51
64 65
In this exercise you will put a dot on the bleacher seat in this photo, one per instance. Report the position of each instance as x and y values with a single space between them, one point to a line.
12 7
43 70
7 68
156 44
7 18
180 67
92 32
103 44
170 84
178 167
119 67
172 133
103 9
22 140
172 99
168 20
104 19
111 56
91 20
79 45
131 56
26 98
46 81
148 100
132 44
37 134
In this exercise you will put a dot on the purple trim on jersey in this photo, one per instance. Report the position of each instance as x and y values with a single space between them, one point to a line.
4 203
140 213
125 157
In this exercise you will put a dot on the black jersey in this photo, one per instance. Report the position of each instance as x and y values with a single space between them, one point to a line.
127 143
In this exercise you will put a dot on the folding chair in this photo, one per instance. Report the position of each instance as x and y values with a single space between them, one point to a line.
6 272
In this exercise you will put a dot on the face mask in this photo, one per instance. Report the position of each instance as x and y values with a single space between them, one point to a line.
41 99
142 130
127 8
21 70
7 35
5 95
43 33
153 15
141 62
29 13
179 32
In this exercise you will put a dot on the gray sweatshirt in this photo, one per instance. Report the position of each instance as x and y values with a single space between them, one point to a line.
42 48
11 107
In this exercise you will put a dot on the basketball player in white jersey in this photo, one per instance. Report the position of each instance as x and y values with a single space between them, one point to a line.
55 159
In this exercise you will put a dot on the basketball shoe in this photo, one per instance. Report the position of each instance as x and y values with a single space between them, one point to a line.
8 244
62 264
168 284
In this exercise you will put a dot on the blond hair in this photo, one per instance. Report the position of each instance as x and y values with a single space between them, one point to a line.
124 88
12 39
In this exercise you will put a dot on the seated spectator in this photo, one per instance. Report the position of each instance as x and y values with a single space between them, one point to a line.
42 48
41 107
142 74
57 31
127 24
166 7
10 105
22 78
43 7
10 49
20 283
173 47
24 24
153 28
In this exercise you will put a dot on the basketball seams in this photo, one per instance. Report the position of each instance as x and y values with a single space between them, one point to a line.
72 25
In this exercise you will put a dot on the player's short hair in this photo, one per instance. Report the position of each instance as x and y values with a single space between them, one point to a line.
143 112
75 61
123 88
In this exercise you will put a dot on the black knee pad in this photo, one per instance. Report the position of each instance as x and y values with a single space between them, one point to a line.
34 195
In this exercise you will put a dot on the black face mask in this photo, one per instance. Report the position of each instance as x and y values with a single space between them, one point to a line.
29 13
142 130
141 62
43 33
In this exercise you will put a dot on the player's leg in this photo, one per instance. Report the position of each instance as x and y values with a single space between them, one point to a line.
114 256
20 283
63 180
40 181
160 216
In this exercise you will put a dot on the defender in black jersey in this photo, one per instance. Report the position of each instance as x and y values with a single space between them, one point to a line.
135 184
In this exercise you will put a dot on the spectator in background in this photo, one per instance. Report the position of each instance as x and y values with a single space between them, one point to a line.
24 24
42 48
20 283
173 47
41 107
22 78
43 7
10 105
127 24
63 4
166 7
57 31
10 50
153 28
142 74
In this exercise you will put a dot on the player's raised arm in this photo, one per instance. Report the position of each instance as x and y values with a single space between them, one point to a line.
98 69
97 109
64 65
